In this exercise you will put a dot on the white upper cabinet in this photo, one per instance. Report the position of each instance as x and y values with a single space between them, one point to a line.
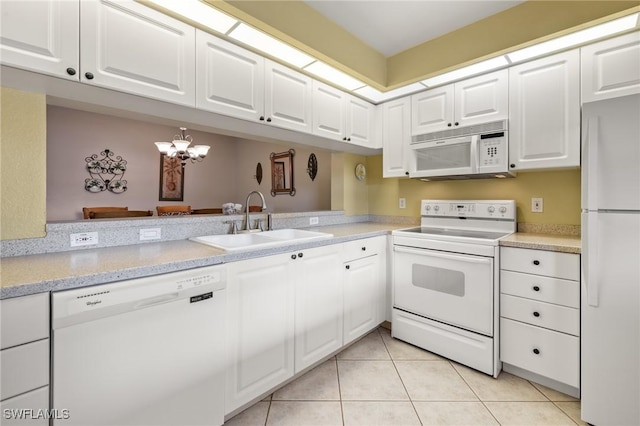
476 100
129 47
611 68
544 119
229 79
287 98
396 137
340 116
41 36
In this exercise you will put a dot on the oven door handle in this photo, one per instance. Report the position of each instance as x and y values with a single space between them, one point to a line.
452 256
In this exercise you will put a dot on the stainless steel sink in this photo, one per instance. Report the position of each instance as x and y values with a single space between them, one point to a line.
280 237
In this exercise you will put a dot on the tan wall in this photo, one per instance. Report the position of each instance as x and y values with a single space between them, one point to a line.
559 189
347 192
22 164
226 175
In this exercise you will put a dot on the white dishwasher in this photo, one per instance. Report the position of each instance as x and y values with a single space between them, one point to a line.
147 351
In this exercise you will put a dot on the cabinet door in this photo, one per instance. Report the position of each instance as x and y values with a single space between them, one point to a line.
328 111
229 79
318 278
611 68
432 110
41 36
362 294
396 137
482 99
544 118
359 126
129 47
287 98
260 327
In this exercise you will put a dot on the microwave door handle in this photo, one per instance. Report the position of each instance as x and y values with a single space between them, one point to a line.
475 157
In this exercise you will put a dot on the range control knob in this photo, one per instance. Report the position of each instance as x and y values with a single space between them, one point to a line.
436 208
503 209
491 209
428 207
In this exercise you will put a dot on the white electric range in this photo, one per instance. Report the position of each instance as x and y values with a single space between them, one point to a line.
446 280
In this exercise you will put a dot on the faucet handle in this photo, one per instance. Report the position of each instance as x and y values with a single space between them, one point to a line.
234 226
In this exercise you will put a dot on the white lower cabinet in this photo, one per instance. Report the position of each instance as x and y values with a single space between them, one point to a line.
260 327
540 317
364 286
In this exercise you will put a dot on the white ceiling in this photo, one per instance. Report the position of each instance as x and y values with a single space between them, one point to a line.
391 26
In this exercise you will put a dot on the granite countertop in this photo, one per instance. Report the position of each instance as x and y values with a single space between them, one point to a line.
559 243
24 275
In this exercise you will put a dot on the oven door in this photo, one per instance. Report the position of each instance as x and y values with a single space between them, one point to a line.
453 288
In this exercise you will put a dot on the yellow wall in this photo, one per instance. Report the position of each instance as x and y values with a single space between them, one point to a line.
347 192
23 135
560 191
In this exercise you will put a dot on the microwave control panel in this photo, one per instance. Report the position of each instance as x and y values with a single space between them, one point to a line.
492 150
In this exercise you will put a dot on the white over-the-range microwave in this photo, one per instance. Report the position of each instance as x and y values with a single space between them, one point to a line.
474 152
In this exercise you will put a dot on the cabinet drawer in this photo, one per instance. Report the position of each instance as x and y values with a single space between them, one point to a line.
541 262
34 400
24 368
362 248
24 319
538 287
554 317
557 357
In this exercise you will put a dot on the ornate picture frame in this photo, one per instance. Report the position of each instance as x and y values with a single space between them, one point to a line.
171 179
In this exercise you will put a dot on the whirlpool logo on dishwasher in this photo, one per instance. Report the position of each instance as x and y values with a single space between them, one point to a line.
94 302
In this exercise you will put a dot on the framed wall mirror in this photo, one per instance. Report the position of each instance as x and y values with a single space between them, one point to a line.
282 173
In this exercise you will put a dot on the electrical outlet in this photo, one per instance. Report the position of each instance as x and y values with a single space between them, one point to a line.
536 205
84 239
402 203
314 220
150 234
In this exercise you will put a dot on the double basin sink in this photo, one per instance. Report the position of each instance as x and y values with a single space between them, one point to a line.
260 240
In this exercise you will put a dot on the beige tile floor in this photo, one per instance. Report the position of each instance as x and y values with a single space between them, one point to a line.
383 381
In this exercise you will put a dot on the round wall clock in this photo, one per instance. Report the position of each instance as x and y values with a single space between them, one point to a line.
361 171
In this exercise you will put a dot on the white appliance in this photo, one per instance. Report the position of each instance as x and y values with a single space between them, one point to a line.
610 336
445 280
147 351
472 152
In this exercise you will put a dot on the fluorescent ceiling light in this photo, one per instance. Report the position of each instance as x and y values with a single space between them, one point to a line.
377 96
479 68
575 39
199 12
270 45
333 75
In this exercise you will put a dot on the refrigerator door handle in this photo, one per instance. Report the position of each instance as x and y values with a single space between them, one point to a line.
591 259
590 152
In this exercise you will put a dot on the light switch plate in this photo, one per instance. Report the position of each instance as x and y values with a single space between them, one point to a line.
402 203
536 205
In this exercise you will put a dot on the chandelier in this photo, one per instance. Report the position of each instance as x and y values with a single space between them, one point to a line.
179 148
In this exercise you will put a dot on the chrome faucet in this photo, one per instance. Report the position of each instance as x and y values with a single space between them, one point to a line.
247 223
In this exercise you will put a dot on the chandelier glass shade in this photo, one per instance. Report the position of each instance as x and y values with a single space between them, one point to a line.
179 148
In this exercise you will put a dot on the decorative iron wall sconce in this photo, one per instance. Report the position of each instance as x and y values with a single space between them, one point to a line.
312 166
106 173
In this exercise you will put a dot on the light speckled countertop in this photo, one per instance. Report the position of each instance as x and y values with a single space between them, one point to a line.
23 275
561 243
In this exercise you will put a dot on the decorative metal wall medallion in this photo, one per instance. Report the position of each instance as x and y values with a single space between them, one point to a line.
312 166
259 173
106 173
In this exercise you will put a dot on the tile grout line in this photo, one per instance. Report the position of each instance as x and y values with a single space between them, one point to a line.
393 361
474 392
335 358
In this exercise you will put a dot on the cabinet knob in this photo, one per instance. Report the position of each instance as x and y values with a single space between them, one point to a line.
88 75
536 314
536 351
348 267
261 118
71 71
536 262
269 120
448 124
513 166
293 256
364 249
348 139
456 123
344 139
300 255
406 173
536 288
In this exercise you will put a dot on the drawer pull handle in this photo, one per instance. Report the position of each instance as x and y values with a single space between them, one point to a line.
536 351
536 314
536 288
536 262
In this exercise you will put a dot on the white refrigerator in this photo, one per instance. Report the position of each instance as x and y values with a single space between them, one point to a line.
610 335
